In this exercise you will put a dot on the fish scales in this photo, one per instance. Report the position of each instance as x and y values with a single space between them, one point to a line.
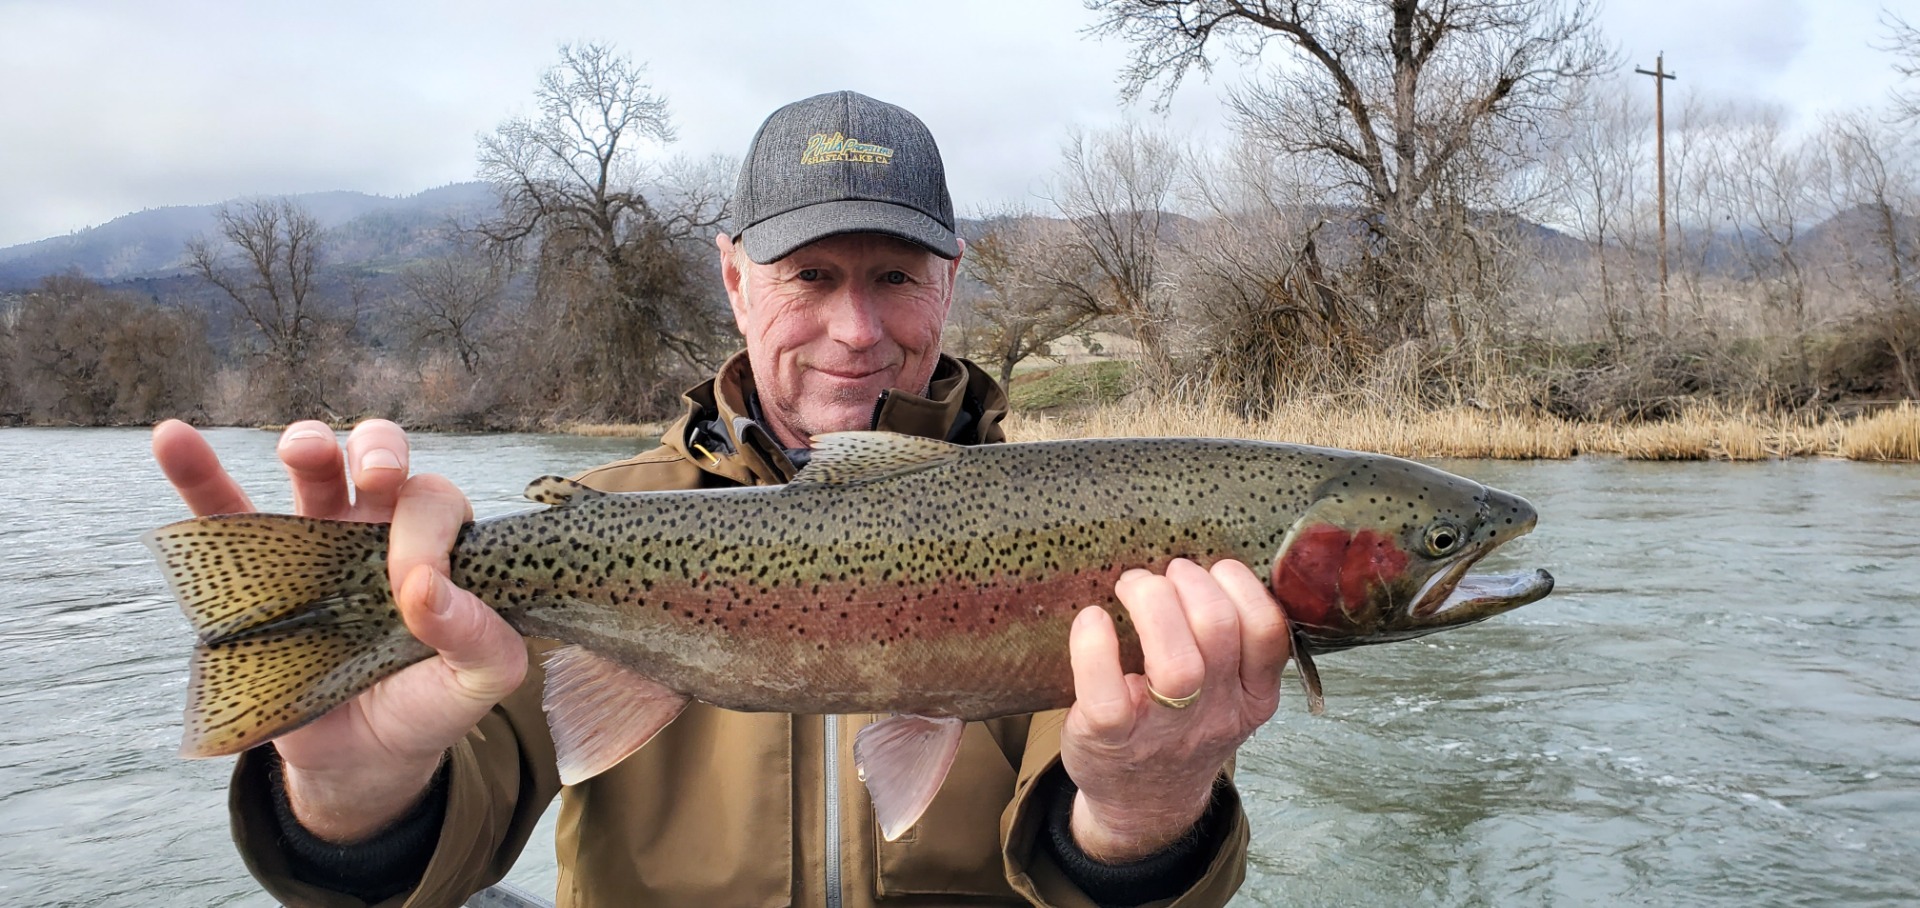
894 574
946 591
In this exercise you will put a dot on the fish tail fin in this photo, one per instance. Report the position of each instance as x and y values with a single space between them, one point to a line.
294 615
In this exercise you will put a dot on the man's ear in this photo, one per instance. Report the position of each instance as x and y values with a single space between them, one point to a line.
953 267
733 278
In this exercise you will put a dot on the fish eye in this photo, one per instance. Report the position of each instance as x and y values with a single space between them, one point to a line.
1442 538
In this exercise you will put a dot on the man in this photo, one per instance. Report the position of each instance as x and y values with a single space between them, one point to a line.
425 788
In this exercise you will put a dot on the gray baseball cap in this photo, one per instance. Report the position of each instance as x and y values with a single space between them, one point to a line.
842 163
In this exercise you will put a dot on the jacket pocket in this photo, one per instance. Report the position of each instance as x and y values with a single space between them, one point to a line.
955 847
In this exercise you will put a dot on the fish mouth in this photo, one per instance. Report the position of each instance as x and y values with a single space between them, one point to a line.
1454 597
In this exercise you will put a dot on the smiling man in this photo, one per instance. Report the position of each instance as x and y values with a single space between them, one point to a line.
425 788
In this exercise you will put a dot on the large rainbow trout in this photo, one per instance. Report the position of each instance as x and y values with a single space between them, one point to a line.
893 574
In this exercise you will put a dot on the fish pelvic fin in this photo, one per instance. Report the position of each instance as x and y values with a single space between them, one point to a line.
294 616
600 711
904 759
1309 674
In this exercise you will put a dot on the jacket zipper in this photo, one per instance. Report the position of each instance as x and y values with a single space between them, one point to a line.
879 403
832 769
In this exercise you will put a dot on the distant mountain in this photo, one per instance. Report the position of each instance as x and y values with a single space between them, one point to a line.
366 230
369 237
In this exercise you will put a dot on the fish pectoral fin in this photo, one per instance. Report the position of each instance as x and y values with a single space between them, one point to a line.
601 711
559 491
1309 675
903 760
844 457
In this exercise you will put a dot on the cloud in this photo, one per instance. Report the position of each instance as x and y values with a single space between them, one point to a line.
133 104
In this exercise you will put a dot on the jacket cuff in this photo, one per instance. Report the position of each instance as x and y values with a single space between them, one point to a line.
1157 876
389 863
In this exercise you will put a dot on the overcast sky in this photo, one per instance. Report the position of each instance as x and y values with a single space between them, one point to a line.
112 106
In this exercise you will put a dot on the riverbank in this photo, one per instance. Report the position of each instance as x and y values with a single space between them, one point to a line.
1888 434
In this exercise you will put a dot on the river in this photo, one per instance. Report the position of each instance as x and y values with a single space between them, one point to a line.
1720 705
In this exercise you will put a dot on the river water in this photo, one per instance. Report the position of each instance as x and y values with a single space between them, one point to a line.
1720 705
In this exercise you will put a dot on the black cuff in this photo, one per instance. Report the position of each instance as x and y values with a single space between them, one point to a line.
1156 876
389 863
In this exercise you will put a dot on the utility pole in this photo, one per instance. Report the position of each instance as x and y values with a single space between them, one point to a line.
1660 77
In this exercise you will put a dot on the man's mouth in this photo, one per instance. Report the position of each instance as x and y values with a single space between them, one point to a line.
849 375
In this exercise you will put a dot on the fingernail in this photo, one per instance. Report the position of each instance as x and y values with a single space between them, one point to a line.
1133 574
439 597
379 459
303 434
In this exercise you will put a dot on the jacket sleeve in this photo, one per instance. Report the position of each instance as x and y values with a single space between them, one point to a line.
1034 873
500 779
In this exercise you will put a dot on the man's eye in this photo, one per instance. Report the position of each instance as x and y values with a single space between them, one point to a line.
896 277
808 274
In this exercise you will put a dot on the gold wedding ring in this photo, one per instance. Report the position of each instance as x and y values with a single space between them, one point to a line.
1174 702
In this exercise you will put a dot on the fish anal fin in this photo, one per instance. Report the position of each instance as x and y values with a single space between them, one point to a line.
559 491
1309 675
601 711
903 760
846 457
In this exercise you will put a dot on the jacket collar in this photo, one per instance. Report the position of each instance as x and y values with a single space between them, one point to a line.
721 433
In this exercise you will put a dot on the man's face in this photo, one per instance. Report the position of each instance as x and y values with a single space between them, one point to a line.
835 323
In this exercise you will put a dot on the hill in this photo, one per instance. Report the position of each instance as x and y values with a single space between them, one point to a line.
366 230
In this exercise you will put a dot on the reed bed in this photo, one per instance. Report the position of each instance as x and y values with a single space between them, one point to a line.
1708 433
1892 434
1698 434
1458 432
612 429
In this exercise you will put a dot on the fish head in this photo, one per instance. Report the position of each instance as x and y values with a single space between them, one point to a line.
1385 552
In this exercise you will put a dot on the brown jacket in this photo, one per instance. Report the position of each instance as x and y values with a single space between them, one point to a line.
727 808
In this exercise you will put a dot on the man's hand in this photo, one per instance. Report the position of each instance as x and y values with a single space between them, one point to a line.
365 763
1146 770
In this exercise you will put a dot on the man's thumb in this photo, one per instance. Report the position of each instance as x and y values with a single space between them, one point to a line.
486 655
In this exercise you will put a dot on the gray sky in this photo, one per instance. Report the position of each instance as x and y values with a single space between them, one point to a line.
112 106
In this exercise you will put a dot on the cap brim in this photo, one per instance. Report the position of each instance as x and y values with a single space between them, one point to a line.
774 238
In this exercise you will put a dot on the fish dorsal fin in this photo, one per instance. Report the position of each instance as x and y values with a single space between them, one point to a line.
601 711
845 457
903 760
559 491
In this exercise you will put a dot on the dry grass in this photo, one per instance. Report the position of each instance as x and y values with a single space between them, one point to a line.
1699 433
1887 435
1446 433
612 429
1709 433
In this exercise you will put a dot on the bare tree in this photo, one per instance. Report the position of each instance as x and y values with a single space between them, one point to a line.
1038 289
450 301
1764 178
83 355
272 286
1115 189
1600 165
1267 318
1393 95
617 242
1874 180
1903 40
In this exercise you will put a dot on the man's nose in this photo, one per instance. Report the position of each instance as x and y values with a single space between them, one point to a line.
854 319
